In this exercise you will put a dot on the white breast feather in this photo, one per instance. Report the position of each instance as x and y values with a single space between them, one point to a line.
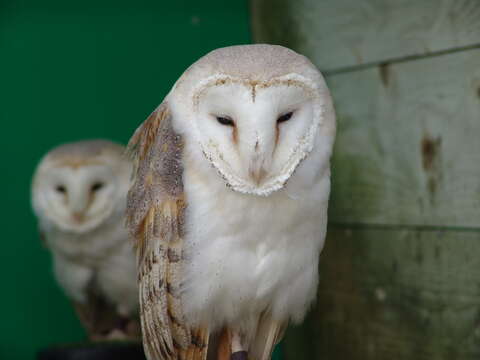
248 253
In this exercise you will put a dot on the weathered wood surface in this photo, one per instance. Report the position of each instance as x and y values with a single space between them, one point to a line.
400 275
394 295
408 144
344 33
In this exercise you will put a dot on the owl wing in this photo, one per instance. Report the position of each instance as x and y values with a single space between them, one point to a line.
155 214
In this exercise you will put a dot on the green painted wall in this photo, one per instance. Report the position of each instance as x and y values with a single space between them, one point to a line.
75 70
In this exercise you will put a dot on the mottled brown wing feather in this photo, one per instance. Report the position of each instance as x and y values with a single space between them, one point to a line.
155 214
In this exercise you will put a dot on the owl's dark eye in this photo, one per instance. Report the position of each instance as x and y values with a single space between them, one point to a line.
285 117
97 186
225 121
61 189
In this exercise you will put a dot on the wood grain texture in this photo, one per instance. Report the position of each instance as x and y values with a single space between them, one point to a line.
400 274
343 33
394 295
408 149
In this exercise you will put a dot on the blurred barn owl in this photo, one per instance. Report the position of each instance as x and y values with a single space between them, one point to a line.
79 196
229 203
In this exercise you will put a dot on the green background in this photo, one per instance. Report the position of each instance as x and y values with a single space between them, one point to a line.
71 71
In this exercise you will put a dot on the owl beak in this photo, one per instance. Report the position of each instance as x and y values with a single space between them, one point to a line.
258 175
78 217
256 170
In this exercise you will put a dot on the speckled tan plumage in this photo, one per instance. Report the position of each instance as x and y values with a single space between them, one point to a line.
155 215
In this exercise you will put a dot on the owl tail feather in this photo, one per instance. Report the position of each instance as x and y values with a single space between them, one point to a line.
269 333
224 346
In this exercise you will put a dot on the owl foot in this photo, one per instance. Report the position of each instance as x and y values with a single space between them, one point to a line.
239 355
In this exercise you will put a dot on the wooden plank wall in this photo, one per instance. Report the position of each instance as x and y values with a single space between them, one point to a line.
342 34
400 274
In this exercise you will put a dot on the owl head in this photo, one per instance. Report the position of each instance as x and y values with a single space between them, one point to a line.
78 186
254 112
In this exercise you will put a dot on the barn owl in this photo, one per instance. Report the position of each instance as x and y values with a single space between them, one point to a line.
79 196
229 203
